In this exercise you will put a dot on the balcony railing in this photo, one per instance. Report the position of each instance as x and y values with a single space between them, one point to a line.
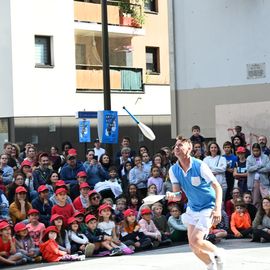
90 78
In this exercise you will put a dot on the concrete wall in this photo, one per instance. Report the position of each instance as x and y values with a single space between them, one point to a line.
6 84
211 44
253 117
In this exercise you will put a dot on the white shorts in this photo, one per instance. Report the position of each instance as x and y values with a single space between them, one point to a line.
202 220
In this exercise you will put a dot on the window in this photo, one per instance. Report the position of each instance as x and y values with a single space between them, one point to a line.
150 6
43 53
152 60
80 54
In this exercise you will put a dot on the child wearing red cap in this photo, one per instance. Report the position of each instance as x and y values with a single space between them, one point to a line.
62 208
62 240
99 238
25 244
8 255
148 227
131 234
79 242
50 250
19 208
35 227
81 203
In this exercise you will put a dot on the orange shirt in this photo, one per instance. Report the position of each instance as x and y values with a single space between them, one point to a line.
238 221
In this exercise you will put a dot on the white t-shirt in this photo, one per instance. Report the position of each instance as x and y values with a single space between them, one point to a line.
99 152
106 227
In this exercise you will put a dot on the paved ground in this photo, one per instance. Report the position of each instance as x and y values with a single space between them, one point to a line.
240 254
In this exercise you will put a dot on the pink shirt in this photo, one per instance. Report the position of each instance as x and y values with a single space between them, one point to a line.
36 232
149 229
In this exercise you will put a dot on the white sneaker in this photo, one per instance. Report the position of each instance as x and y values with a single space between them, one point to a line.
219 258
81 257
89 250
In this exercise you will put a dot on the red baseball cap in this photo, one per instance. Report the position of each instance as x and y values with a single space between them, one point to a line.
146 211
103 207
72 152
42 188
4 224
50 229
60 183
78 213
129 212
84 185
82 174
89 217
71 220
26 163
19 227
56 216
32 211
20 189
60 190
240 150
92 192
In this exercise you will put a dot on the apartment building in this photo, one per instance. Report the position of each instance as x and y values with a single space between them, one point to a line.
51 67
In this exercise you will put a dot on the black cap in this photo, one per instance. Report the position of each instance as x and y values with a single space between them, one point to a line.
96 140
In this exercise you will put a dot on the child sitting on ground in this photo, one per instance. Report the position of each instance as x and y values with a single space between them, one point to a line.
35 228
25 244
8 255
148 227
78 241
177 229
49 248
161 223
241 225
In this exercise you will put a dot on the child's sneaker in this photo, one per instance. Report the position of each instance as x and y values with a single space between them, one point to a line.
81 257
89 250
116 252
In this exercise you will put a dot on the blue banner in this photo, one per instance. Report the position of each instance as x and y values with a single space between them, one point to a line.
108 126
84 131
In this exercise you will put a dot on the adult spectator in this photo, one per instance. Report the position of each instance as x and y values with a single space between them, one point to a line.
7 170
258 168
106 163
238 141
55 158
120 161
98 149
43 205
261 223
94 201
31 155
94 170
65 148
22 155
146 161
126 143
217 165
143 149
238 130
42 173
71 168
262 140
15 155
8 151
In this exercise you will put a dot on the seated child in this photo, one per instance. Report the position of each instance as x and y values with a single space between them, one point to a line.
148 227
177 229
8 255
78 241
152 190
35 228
49 248
25 244
241 225
81 203
130 233
161 223
252 210
80 218
100 239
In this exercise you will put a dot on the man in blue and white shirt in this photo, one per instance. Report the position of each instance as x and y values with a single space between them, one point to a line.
204 195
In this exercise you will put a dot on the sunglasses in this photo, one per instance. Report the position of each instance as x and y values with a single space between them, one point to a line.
95 198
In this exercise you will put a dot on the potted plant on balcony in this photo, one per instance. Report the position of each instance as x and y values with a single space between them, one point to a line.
126 11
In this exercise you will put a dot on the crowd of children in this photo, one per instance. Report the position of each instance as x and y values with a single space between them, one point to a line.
54 207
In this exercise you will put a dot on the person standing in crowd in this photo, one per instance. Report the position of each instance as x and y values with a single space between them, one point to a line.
217 165
22 155
42 173
31 155
98 149
262 140
120 161
204 195
196 136
15 155
106 163
55 158
8 171
231 161
125 143
240 170
258 168
8 151
238 141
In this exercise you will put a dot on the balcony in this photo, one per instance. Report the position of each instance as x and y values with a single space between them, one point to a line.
87 17
90 78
